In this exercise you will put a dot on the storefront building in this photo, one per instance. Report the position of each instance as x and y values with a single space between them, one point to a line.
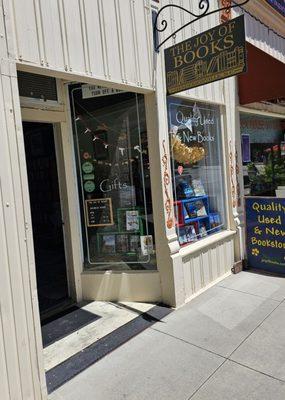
110 189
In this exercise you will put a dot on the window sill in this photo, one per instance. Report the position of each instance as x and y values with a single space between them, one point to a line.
205 243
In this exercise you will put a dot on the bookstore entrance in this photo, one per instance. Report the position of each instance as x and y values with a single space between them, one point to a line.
47 222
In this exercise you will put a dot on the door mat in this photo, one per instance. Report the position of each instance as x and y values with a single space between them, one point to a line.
65 323
71 367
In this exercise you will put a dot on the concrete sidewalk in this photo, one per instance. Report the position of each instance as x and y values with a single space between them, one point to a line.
226 344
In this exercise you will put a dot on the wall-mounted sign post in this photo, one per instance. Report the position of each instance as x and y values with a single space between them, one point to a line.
265 232
215 54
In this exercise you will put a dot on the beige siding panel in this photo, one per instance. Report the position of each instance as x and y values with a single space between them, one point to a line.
112 40
52 35
215 270
107 39
187 277
95 39
4 388
28 260
11 291
26 31
74 36
143 42
197 273
9 358
127 37
205 260
17 286
204 267
18 265
142 286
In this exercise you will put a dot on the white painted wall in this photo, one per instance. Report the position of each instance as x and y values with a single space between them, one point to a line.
104 39
21 371
108 40
99 41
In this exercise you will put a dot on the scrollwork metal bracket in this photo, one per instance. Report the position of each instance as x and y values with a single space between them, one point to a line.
204 6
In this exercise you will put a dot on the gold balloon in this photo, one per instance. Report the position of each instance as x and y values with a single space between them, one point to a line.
184 154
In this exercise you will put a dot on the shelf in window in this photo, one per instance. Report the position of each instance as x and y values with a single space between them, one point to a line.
187 220
194 198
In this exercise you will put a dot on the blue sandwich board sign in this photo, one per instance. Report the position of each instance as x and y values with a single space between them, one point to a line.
265 233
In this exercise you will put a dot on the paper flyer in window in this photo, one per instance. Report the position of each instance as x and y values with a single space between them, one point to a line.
146 245
132 220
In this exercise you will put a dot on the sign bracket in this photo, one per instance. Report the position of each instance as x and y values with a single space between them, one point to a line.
204 6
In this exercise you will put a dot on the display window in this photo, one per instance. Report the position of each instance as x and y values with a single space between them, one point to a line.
197 169
114 179
263 154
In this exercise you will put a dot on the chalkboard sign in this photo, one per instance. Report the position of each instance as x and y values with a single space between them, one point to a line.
99 212
265 233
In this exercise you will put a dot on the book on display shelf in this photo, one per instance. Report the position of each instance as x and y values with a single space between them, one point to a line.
198 187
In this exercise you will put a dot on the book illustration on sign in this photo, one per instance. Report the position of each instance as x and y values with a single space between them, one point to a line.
132 220
108 244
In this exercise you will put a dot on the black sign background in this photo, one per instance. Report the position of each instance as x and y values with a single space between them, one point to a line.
210 56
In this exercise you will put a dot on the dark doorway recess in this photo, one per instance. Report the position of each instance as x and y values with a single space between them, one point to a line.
46 216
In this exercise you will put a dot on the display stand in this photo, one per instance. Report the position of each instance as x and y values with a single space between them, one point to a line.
184 220
131 236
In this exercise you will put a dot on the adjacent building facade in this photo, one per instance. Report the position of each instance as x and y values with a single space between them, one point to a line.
111 190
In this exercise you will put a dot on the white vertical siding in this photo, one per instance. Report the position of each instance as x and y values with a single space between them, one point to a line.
19 320
26 30
206 266
262 37
52 38
106 39
17 285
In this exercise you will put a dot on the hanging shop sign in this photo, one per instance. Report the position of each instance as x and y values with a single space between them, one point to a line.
278 5
265 232
215 54
99 212
89 91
